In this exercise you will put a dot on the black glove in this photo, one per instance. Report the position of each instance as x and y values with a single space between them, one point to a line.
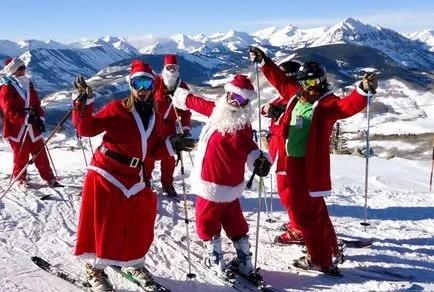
369 82
275 110
84 90
35 119
182 142
262 166
256 55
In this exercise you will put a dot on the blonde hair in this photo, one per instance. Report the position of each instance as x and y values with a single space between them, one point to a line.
130 100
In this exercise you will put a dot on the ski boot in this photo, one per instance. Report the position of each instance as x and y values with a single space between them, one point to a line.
97 279
306 264
242 264
213 257
170 191
54 184
291 236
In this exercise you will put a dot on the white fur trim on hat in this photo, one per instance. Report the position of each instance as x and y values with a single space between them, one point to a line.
180 97
145 74
12 67
249 94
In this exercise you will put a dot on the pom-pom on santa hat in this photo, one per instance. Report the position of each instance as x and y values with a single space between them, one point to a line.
140 69
170 60
241 85
12 65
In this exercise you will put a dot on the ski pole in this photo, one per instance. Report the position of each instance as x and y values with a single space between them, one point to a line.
260 178
81 146
190 275
90 145
21 148
367 153
432 165
270 218
51 160
56 129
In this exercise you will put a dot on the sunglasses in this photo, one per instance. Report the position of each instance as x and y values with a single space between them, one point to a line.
239 99
172 67
142 83
314 82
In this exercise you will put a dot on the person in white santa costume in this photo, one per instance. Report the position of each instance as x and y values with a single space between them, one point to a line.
225 146
23 122
165 87
118 210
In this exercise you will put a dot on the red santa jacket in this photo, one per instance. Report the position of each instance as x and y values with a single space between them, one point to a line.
16 101
126 135
325 112
220 159
166 110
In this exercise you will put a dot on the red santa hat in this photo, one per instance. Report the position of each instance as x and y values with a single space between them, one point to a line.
138 68
7 61
12 65
241 85
170 60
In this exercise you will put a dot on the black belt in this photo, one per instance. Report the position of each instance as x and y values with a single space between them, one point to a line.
131 162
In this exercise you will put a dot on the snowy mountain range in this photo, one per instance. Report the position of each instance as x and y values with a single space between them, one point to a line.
53 65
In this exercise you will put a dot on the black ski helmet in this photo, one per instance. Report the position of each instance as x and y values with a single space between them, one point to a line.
311 70
290 67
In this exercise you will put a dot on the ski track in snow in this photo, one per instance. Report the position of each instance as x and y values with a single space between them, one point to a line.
401 214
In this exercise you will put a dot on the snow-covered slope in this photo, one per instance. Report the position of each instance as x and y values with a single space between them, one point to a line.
400 213
426 37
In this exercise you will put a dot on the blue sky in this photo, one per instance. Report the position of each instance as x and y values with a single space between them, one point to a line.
75 20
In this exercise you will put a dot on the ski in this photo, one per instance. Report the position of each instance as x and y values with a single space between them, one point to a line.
55 271
254 279
356 243
151 286
33 192
227 278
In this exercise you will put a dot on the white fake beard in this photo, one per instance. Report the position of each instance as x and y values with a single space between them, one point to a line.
229 119
170 79
23 81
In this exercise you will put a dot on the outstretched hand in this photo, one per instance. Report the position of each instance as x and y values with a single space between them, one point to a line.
369 82
256 55
84 90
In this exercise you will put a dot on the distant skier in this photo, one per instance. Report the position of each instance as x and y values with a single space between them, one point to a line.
303 135
165 86
225 146
23 122
118 210
275 110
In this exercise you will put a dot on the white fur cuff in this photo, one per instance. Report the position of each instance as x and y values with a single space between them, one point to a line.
179 98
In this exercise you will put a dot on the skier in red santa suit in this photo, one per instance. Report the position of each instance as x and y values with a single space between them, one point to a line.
303 135
23 122
274 110
165 87
225 146
118 210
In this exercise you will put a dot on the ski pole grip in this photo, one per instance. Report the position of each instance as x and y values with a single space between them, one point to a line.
249 183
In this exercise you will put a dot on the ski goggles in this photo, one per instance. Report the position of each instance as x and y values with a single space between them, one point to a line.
142 83
239 99
313 82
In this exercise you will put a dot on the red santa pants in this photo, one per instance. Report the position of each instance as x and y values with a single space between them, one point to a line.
21 159
311 214
167 169
116 229
212 216
285 199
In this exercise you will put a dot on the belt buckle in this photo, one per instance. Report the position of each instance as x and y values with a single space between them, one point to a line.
134 162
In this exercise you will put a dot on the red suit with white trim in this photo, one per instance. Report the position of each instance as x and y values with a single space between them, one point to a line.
169 127
225 146
308 178
118 210
17 97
